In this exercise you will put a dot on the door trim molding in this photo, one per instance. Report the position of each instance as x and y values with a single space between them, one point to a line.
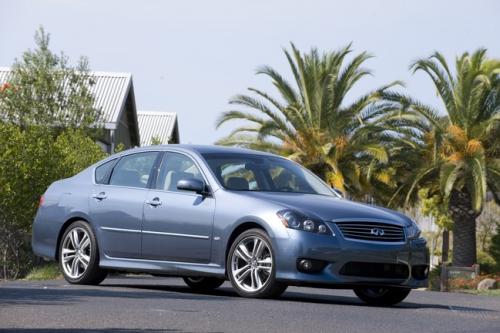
120 230
174 234
147 232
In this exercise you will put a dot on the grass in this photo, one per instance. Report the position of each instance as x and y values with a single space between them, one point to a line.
46 272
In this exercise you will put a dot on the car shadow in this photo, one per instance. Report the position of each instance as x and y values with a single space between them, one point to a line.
22 296
29 296
293 296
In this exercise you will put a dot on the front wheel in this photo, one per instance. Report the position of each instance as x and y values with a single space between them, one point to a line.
203 283
79 255
383 296
251 266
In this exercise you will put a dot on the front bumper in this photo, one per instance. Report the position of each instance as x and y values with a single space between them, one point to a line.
337 251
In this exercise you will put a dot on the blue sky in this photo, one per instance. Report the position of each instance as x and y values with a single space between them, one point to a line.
190 57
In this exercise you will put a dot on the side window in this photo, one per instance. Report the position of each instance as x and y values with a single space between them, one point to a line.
175 167
102 172
133 170
236 176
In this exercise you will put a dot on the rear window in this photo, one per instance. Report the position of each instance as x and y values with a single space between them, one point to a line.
102 172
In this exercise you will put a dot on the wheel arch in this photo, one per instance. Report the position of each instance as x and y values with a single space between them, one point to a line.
238 230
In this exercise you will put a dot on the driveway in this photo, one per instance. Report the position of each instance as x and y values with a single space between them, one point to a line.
148 304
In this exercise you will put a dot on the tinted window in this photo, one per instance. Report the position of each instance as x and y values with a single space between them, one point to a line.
133 170
175 167
246 172
102 172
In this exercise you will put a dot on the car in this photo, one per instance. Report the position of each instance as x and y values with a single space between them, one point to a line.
210 214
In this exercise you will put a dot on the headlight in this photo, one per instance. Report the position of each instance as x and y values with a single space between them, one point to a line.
412 231
295 220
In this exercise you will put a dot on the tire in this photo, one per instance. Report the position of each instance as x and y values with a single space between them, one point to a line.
203 283
72 260
382 296
261 262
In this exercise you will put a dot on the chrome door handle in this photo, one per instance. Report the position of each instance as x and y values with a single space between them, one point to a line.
155 202
100 196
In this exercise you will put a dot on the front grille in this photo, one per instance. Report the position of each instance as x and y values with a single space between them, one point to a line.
375 270
372 231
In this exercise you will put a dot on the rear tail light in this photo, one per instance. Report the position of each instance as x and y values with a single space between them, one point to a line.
41 202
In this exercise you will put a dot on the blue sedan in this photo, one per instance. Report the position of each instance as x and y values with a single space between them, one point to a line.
208 214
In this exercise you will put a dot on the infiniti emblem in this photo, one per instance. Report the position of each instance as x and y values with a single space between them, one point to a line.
377 232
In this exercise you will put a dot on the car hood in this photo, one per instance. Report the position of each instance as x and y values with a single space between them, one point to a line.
329 208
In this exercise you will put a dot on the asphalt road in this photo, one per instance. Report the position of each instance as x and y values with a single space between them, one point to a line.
147 304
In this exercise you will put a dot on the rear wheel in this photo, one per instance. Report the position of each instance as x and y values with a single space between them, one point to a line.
382 295
251 266
203 283
79 255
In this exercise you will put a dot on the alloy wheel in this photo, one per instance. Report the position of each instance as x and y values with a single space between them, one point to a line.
76 252
252 264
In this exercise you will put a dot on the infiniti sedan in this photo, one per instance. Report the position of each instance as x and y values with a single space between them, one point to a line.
209 214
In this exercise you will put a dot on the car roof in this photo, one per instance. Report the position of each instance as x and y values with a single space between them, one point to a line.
201 149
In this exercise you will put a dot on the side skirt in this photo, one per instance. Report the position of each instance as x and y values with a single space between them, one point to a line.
158 267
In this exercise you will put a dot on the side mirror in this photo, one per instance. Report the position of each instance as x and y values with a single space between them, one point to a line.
193 185
338 192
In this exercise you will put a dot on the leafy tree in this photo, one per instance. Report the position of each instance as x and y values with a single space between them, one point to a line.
44 89
310 121
47 116
459 152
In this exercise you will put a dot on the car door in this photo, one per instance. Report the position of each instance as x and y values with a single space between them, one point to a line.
177 224
117 204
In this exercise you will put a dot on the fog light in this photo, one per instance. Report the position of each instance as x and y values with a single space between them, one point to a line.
308 225
420 272
305 264
310 265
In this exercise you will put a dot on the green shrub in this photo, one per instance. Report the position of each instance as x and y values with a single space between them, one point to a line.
487 264
435 278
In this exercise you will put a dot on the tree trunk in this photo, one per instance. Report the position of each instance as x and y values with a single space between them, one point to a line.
445 248
464 229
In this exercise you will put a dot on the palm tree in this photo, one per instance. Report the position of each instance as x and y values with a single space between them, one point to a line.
459 150
310 122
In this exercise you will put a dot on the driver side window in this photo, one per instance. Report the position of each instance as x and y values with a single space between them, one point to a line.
175 167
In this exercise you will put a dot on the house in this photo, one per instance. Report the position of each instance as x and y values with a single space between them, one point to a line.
160 126
114 96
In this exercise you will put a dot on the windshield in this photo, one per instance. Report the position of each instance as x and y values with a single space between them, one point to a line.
242 172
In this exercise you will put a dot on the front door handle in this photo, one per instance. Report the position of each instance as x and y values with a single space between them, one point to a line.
155 202
100 196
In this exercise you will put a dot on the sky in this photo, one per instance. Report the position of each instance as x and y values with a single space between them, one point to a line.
191 57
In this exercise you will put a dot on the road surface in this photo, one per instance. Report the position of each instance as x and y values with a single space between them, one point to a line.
147 304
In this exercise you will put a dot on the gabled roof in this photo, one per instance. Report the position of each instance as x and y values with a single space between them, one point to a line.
156 124
110 93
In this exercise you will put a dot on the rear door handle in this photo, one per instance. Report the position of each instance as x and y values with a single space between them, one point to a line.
155 202
100 196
